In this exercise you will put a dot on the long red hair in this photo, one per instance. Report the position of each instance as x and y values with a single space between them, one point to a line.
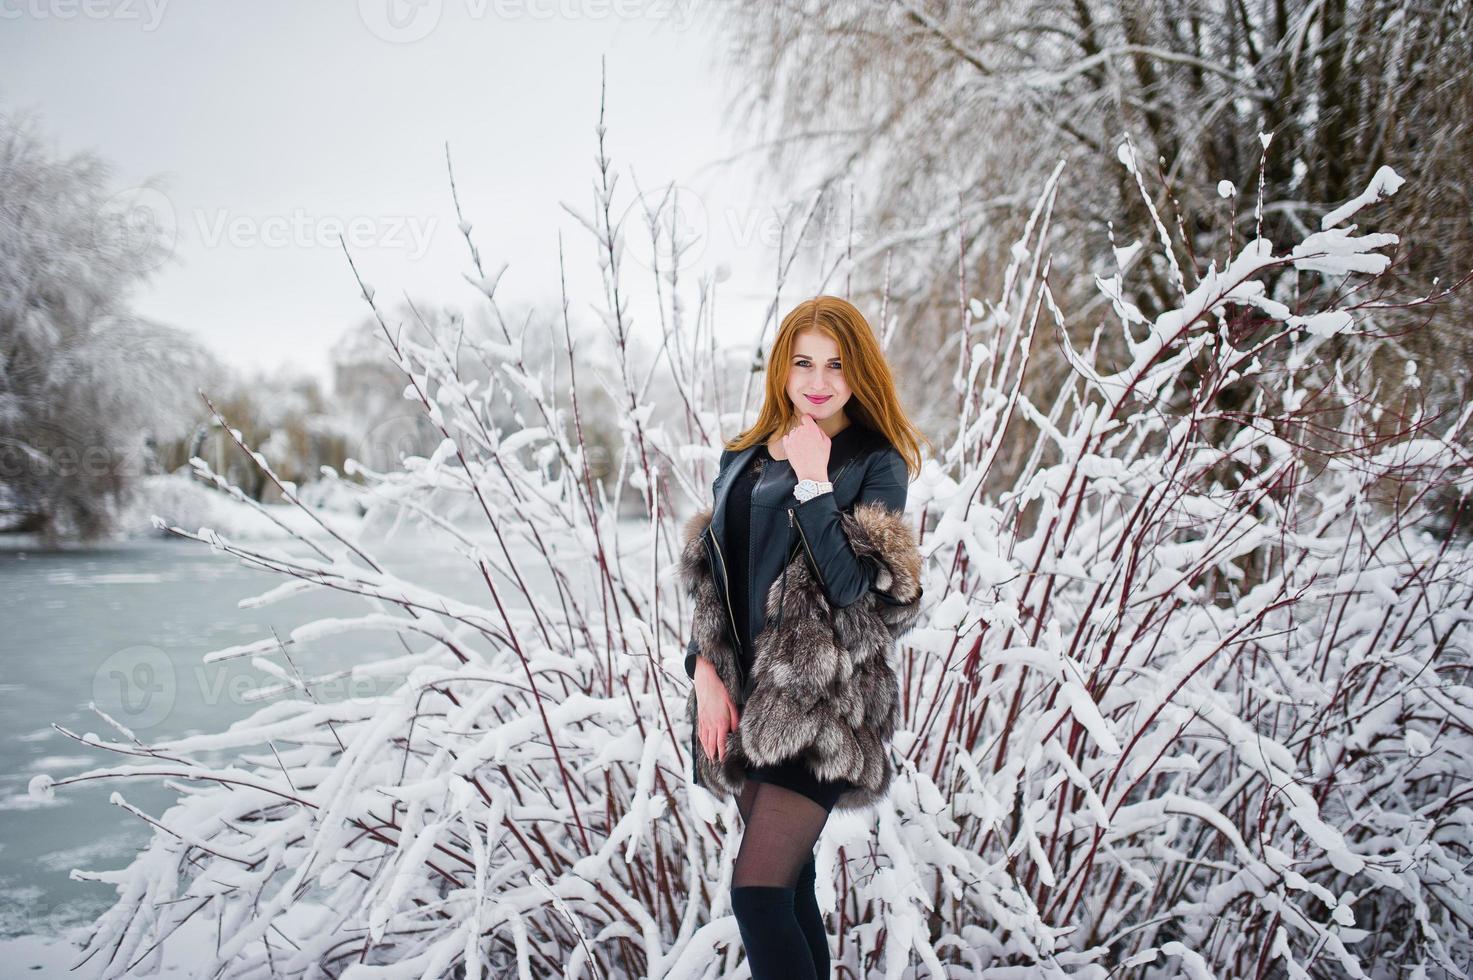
872 403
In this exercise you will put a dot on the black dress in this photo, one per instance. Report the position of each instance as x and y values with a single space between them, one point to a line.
794 773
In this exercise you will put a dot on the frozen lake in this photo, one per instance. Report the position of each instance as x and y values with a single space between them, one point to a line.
127 625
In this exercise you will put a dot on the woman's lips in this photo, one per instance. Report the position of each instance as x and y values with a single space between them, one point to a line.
818 401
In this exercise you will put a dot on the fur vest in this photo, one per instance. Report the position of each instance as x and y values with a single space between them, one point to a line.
823 684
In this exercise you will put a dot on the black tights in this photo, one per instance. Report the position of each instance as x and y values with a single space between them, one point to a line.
772 885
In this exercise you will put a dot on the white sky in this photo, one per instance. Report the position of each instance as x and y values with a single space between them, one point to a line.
271 120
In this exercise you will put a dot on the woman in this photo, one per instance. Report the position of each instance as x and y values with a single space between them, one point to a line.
804 573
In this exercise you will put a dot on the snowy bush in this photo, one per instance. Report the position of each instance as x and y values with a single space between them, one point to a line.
1190 699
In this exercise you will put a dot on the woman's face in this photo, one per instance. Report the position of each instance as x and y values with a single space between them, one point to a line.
815 371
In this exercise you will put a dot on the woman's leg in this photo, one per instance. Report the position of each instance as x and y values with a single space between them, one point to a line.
781 829
805 899
746 798
810 918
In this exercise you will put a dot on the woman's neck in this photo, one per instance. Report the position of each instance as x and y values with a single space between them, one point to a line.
834 425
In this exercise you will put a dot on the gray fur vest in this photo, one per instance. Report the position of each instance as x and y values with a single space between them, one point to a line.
823 684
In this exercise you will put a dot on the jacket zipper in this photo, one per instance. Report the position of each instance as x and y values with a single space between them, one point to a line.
726 594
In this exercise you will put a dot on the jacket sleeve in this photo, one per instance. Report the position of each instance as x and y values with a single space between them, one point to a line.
691 650
845 578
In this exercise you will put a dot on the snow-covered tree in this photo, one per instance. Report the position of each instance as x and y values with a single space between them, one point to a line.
920 123
84 384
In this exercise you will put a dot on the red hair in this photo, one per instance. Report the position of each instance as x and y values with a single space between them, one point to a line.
872 403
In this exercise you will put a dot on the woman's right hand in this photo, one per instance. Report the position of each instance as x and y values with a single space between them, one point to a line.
716 713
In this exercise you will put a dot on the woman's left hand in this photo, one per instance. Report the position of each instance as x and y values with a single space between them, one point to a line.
807 449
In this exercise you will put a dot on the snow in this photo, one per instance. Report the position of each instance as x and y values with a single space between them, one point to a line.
1326 324
1383 184
42 788
1337 253
1162 685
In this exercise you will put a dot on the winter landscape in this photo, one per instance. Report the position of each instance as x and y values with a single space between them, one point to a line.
363 660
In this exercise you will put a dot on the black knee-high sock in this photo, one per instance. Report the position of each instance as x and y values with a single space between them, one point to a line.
810 919
776 946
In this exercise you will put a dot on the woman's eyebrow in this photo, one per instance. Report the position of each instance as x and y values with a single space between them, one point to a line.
811 357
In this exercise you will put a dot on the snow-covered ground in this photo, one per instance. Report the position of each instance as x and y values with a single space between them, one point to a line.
61 956
55 956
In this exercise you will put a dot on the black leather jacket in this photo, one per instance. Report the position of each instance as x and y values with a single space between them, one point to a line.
873 470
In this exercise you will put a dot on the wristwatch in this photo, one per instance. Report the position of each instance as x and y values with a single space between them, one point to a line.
808 489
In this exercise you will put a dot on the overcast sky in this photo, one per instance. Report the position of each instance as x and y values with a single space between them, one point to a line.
274 123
